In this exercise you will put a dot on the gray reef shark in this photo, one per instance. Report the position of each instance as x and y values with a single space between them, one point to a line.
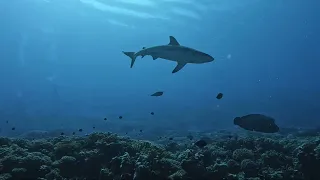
173 52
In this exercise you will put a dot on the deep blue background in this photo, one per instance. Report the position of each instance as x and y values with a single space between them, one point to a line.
61 64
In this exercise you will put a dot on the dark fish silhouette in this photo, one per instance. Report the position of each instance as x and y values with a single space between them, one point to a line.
219 96
190 137
201 143
257 122
159 93
152 113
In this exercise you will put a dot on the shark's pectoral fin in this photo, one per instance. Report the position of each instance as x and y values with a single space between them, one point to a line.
173 41
178 67
154 57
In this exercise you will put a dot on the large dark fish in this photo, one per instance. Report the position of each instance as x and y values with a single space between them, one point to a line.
257 122
159 93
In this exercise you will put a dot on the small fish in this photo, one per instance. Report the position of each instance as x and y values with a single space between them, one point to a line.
141 130
219 96
171 138
73 133
201 143
159 93
13 128
257 122
7 122
152 113
80 130
93 127
190 137
120 117
105 119
62 134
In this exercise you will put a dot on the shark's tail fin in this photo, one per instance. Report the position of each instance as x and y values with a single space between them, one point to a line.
132 56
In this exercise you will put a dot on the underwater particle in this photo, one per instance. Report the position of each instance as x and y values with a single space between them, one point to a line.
62 134
257 122
105 119
171 138
219 96
80 130
159 93
120 117
13 128
73 133
201 143
152 113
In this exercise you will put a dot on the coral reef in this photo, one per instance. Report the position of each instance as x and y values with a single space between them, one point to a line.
106 156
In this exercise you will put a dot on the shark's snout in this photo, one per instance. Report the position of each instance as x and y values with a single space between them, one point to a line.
205 57
208 58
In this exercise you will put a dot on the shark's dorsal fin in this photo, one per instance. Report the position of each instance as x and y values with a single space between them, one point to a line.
173 41
178 67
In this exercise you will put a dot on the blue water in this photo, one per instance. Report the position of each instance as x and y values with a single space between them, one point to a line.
61 64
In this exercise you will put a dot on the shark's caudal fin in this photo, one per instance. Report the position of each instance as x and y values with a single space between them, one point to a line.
178 67
132 56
